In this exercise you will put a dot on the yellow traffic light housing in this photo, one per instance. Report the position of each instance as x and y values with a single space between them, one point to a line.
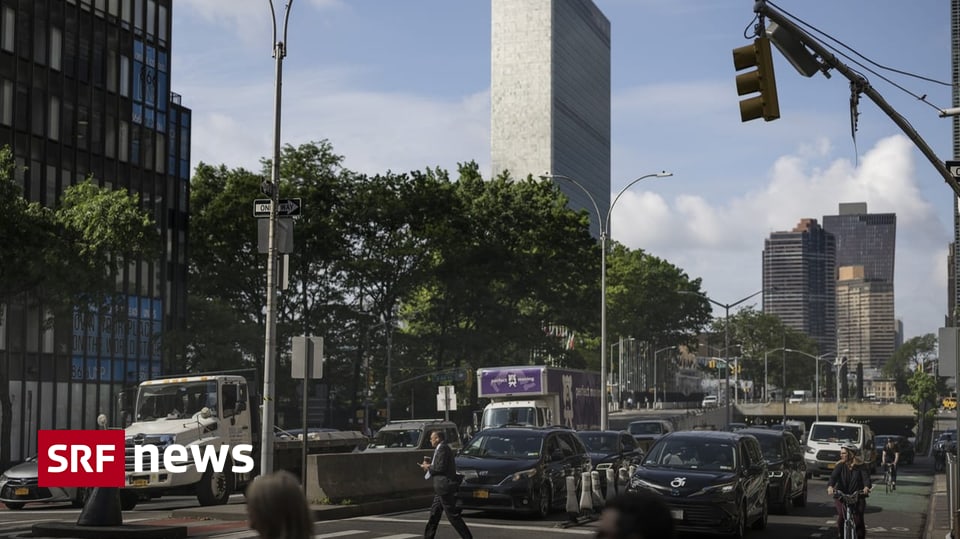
759 80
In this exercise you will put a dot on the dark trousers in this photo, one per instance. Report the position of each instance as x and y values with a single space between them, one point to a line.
857 511
446 503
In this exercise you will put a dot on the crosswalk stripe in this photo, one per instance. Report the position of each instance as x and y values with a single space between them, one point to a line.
400 536
338 534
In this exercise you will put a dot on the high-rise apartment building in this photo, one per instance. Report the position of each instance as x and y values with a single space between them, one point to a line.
85 91
550 95
868 241
866 328
798 275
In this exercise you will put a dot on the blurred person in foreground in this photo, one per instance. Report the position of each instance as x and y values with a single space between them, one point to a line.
442 468
635 515
277 507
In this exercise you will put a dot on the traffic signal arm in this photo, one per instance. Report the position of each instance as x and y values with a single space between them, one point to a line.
759 80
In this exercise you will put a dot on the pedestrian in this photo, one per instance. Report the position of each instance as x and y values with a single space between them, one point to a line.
442 469
634 515
277 507
849 476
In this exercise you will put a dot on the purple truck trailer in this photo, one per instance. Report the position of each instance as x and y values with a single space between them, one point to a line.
540 396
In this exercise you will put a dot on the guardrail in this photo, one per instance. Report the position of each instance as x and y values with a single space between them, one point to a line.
952 493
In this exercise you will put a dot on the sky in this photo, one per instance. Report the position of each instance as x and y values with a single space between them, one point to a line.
404 85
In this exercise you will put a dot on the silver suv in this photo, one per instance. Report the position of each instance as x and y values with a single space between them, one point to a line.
410 434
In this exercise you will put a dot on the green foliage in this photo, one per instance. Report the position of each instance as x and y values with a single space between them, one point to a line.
916 353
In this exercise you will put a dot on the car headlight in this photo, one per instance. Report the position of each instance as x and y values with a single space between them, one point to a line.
637 483
523 474
811 450
3 478
776 473
723 488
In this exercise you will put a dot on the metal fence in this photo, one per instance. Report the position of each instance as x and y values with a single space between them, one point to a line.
952 492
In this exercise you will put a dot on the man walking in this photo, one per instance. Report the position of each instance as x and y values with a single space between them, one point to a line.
443 470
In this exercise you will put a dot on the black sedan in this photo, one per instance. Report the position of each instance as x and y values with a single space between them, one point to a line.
713 482
614 449
520 469
785 466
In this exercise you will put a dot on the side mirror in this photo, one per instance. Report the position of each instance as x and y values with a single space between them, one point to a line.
241 406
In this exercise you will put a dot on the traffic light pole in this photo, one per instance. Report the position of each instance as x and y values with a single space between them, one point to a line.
858 83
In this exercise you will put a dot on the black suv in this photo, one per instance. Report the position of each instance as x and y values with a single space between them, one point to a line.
785 466
520 469
714 482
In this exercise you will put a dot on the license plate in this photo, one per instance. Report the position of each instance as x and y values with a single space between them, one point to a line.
831 466
23 491
677 514
140 482
481 494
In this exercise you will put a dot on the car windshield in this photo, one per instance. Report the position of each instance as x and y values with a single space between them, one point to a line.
599 443
836 433
175 401
387 438
645 428
772 448
693 455
504 446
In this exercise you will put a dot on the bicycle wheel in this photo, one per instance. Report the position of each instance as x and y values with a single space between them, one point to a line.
887 486
849 526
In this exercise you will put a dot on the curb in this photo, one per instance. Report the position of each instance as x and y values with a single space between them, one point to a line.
320 512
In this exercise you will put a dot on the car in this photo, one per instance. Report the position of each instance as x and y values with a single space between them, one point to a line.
18 487
646 431
712 481
710 401
611 449
407 434
785 466
904 447
520 469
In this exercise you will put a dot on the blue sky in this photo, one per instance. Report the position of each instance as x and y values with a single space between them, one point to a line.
402 85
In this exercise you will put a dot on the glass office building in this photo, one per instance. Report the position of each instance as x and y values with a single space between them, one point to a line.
85 92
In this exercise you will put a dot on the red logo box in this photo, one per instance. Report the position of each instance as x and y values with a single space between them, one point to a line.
80 458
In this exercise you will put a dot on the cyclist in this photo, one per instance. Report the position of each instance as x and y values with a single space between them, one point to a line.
891 456
850 475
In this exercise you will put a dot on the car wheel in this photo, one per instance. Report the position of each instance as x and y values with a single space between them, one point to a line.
14 506
801 500
761 522
784 505
214 487
544 502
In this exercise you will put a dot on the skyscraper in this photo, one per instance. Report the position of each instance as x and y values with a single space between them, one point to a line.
550 95
85 91
798 269
866 241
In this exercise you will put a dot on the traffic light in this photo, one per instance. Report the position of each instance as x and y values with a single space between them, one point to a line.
760 80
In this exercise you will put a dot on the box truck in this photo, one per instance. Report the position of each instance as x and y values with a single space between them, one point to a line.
540 396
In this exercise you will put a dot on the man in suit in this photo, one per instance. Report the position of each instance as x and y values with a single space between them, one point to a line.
443 470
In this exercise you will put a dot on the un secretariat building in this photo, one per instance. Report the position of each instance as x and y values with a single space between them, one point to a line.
85 91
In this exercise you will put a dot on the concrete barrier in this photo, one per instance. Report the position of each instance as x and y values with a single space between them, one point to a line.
339 477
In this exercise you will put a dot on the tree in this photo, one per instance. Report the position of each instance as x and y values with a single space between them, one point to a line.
918 353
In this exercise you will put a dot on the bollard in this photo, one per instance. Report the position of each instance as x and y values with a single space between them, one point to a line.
586 498
631 470
573 509
102 508
611 483
595 493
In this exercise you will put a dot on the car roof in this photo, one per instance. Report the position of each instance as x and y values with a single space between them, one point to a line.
716 435
524 430
608 431
769 433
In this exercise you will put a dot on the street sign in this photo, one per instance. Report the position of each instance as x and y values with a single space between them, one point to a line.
954 168
286 207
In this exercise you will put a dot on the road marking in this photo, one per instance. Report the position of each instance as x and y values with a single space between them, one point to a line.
400 536
475 524
339 534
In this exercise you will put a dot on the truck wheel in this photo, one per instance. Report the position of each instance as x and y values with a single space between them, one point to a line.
128 500
214 487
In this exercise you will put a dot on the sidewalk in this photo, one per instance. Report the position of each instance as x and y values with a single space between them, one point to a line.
938 517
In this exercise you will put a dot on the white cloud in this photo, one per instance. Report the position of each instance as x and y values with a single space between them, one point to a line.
721 240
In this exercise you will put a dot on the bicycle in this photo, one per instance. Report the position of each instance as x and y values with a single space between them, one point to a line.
888 478
850 501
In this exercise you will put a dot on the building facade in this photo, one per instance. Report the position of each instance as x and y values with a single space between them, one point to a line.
85 92
798 272
866 329
550 95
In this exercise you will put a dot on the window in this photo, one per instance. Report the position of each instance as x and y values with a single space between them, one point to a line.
124 75
6 103
230 395
124 141
53 120
56 48
8 38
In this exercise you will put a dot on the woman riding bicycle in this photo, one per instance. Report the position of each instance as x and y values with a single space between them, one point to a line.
850 475
891 456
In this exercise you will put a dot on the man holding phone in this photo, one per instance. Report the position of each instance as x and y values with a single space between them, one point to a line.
442 468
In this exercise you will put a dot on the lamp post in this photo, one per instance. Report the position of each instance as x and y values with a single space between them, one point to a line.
839 363
604 232
272 190
620 366
655 374
726 334
817 360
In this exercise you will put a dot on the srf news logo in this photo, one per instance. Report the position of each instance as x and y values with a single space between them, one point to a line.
97 458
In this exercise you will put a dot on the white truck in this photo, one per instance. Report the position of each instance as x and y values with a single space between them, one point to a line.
206 410
539 396
800 395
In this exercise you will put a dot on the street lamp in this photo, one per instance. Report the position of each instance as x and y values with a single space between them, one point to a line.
620 366
726 334
839 363
604 232
817 360
655 374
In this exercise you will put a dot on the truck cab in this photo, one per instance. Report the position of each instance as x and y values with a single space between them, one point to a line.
522 413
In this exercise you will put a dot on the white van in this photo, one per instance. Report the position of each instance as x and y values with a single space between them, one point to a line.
827 437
